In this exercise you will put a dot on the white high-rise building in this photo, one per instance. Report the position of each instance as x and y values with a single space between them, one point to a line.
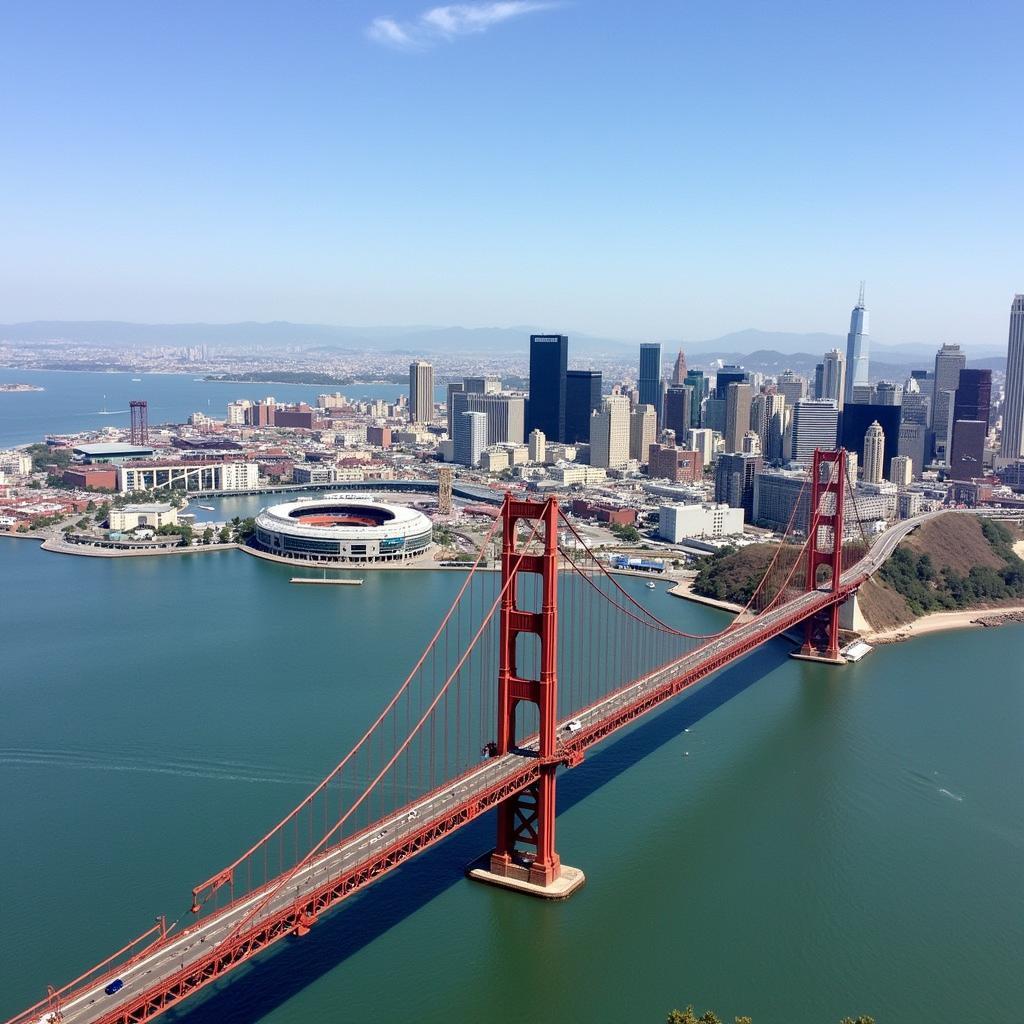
609 433
1012 446
901 470
643 431
470 438
815 425
874 454
538 445
421 391
700 439
857 349
832 377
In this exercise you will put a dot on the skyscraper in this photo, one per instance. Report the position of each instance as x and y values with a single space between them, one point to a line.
767 419
734 480
793 386
857 418
649 382
679 370
814 426
973 399
949 361
582 399
678 403
470 438
421 391
737 415
1012 446
609 433
643 431
454 387
729 374
700 385
857 349
545 410
967 449
874 454
832 377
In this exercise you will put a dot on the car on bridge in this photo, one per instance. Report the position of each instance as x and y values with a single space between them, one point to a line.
114 987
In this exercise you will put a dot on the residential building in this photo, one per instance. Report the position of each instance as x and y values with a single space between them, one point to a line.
470 438
538 444
901 471
494 460
908 504
643 430
570 474
874 454
190 476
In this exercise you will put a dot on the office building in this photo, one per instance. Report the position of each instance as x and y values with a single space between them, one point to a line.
792 386
701 388
908 504
737 415
1012 445
912 445
751 443
545 410
729 374
421 392
714 415
856 419
776 495
901 471
481 385
679 370
973 398
582 400
470 438
649 381
949 361
888 393
131 517
702 440
734 480
857 350
712 521
506 414
609 434
669 462
643 431
768 420
677 409
453 388
874 454
916 408
819 380
967 449
833 378
814 426
537 446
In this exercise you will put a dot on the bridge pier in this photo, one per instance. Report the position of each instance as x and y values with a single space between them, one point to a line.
525 859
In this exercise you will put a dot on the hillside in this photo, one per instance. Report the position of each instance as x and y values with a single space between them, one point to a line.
951 563
733 575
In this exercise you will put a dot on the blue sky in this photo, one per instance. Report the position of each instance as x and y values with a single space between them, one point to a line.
639 170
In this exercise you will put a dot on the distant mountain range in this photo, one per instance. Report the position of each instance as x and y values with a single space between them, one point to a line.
757 350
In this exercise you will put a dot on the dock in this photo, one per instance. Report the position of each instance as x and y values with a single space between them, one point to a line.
316 579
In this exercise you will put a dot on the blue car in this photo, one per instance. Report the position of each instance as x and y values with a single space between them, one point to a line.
115 986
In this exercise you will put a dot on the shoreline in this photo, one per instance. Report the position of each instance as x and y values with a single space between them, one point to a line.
940 622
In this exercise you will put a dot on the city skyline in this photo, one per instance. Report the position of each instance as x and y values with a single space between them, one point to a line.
363 185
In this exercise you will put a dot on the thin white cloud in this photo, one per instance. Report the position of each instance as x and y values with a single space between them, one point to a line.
449 22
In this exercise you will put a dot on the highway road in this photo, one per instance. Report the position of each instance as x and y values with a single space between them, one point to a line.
196 943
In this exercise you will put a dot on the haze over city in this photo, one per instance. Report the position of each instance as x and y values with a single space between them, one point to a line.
665 171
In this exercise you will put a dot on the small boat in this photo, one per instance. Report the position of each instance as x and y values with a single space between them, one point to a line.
206 508
316 579
136 380
650 586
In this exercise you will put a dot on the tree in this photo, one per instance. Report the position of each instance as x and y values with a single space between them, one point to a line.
208 535
629 534
225 534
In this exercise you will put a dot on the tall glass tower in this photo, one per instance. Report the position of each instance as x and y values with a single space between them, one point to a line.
1013 411
857 349
545 410
650 375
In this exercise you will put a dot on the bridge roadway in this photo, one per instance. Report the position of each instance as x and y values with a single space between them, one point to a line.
198 943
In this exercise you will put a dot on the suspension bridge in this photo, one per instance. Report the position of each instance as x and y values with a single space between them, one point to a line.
529 668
